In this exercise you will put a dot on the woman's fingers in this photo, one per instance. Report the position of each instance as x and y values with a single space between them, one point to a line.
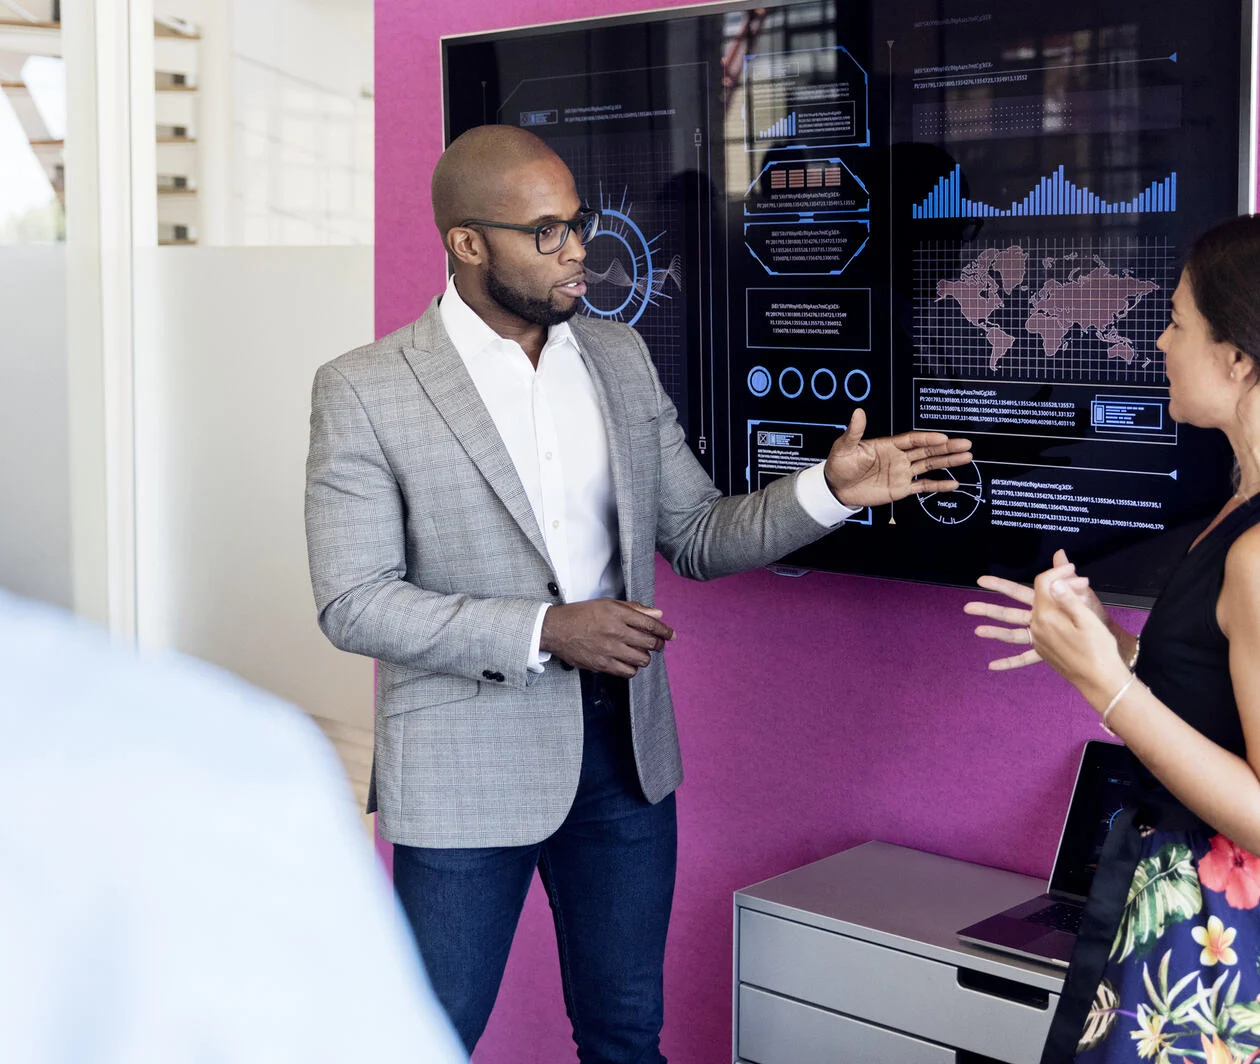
1005 614
1009 588
1028 657
1018 636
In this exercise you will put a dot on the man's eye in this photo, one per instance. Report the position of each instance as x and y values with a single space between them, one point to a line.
546 232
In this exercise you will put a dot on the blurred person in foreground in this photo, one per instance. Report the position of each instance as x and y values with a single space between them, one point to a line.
1165 966
184 877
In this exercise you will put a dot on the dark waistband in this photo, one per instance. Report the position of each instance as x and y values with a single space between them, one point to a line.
603 694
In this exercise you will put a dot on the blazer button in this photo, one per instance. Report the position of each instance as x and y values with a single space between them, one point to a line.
566 666
488 674
554 588
498 677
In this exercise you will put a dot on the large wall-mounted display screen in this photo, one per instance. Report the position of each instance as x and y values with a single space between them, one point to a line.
961 216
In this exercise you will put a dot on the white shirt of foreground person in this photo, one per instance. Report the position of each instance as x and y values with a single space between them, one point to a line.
182 873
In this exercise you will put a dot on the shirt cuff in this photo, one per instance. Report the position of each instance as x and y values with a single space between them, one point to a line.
816 498
536 656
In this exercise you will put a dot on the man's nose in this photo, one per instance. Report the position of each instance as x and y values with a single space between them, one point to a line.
574 250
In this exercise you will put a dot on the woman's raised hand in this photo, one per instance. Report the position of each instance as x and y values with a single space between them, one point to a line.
1016 621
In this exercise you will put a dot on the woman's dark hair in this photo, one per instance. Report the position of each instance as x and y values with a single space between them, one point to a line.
1223 268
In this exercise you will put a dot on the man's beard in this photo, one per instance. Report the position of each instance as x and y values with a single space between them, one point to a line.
534 311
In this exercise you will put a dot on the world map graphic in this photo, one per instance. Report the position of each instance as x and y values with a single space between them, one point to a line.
1072 292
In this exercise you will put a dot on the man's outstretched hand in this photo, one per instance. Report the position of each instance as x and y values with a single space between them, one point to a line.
604 635
873 472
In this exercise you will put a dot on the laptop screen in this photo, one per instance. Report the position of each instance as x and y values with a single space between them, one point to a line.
1105 783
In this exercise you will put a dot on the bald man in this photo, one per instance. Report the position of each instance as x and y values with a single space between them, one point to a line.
486 491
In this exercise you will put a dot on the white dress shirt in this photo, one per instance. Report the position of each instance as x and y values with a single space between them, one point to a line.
550 422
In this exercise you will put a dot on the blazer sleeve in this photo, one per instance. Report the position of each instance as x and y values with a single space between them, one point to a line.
704 534
356 547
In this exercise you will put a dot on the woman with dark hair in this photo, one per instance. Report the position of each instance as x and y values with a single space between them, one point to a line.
1166 963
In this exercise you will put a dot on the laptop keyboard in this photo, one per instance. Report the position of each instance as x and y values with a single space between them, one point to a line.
1061 916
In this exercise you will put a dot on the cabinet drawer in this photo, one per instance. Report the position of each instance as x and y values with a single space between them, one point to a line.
899 990
775 1030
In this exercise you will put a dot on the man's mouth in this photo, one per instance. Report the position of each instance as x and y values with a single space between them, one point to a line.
575 287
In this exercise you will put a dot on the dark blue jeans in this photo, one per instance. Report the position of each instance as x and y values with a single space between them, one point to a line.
609 875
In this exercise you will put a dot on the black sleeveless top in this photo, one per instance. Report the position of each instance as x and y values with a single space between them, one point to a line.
1184 657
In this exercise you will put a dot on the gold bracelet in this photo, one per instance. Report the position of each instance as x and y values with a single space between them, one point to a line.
1112 704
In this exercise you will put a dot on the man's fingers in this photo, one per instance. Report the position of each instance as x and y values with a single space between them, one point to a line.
1028 657
930 487
651 611
634 637
646 619
646 623
921 444
633 658
940 461
1009 588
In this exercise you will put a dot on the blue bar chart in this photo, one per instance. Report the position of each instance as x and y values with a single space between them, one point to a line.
1052 195
784 127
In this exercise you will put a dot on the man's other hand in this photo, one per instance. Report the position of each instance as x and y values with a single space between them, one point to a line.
873 472
604 635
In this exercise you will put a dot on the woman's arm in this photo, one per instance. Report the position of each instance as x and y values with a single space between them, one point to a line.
1218 786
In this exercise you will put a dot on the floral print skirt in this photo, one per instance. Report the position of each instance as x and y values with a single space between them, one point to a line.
1181 980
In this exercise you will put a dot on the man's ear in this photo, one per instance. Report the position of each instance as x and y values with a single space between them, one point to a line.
464 244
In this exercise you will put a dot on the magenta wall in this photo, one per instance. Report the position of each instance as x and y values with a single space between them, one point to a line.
815 713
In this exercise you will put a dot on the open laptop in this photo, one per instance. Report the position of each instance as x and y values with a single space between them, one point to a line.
1044 929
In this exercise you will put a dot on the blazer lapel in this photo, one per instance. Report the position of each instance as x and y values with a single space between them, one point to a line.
444 378
613 408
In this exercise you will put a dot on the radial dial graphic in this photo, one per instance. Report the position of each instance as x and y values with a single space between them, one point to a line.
624 271
954 507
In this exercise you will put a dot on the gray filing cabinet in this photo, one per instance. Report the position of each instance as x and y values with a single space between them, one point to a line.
853 960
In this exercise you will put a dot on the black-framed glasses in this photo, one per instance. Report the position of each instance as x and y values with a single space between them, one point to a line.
550 237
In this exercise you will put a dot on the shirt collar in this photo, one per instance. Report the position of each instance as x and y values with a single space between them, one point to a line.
472 336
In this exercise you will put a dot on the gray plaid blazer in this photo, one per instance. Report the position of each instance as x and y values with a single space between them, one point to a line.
425 554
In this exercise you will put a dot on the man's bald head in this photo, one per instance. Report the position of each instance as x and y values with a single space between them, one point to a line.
473 175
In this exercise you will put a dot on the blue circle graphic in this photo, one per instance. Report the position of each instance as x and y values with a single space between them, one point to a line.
759 381
825 374
848 389
800 382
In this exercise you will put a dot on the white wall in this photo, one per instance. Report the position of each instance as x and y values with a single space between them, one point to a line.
284 119
34 435
305 121
228 340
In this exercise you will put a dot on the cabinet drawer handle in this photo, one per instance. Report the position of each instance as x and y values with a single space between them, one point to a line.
1007 989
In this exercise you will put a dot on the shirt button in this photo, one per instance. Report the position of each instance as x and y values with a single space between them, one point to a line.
547 456
555 524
